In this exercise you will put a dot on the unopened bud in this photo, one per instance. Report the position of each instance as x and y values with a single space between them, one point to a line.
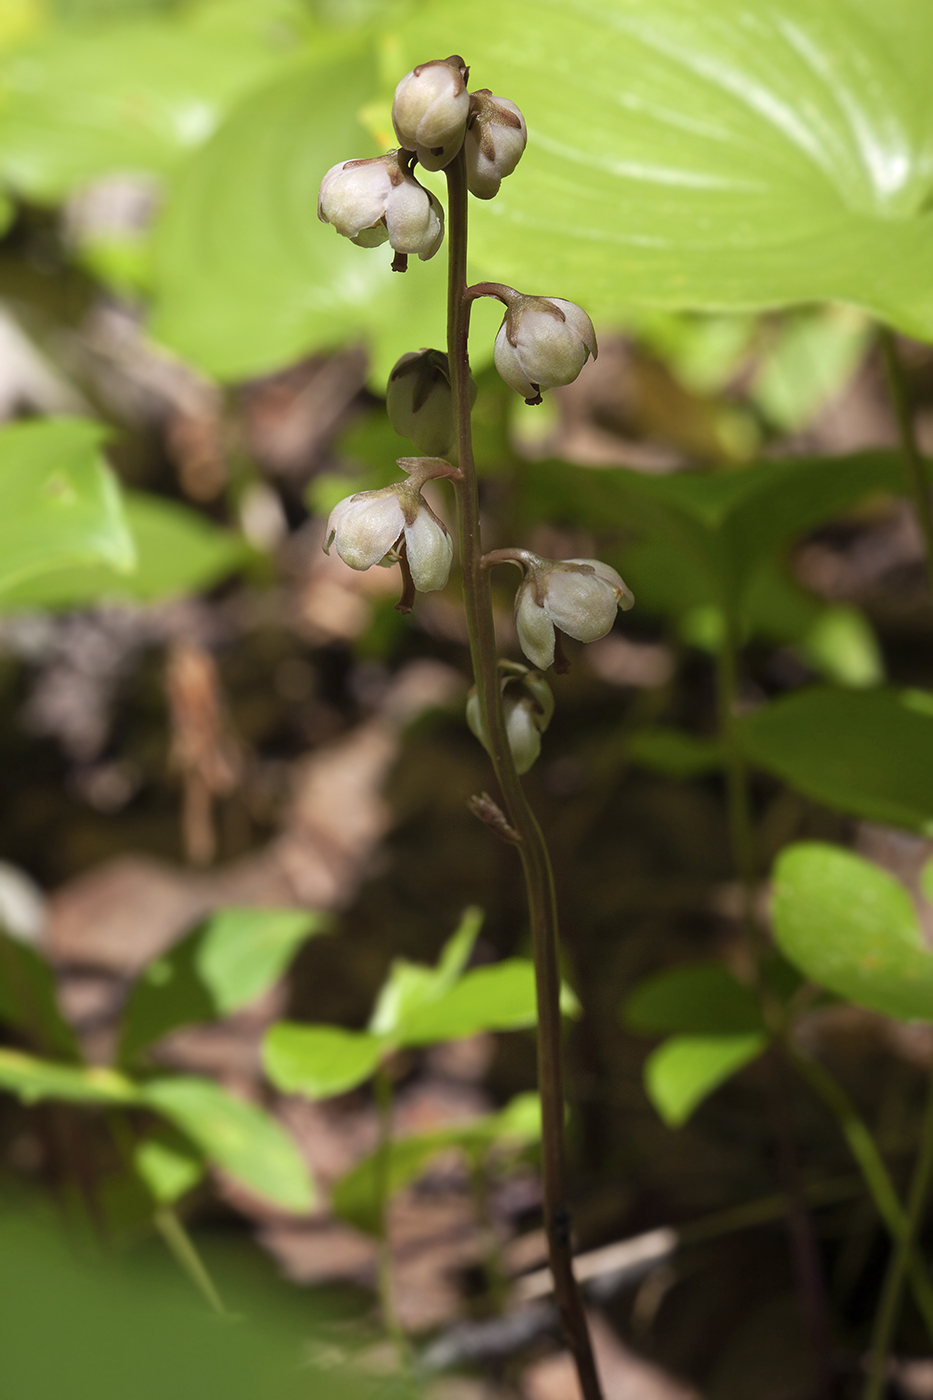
577 596
496 137
527 708
377 201
543 342
430 110
419 401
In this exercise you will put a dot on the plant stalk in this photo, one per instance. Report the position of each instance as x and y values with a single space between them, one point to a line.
904 1253
536 865
877 1178
182 1248
913 460
803 1243
382 1085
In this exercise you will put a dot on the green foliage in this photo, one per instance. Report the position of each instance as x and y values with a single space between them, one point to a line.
702 999
674 752
416 1006
168 1165
123 98
28 999
752 157
357 1196
686 1069
33 1080
59 505
229 961
869 753
854 929
177 551
237 1136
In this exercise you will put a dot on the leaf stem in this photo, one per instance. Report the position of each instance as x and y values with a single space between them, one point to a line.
536 865
902 1258
877 1178
899 390
382 1086
183 1250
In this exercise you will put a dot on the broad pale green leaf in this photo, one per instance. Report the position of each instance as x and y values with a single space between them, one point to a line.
869 753
704 999
33 1079
122 98
232 959
59 503
319 1061
246 1143
246 277
178 552
410 986
168 1165
686 1069
721 156
28 999
852 928
356 1196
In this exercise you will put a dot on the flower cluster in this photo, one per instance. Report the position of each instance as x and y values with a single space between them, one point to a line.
542 342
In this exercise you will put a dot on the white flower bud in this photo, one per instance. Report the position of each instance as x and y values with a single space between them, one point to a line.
374 201
527 708
373 527
496 137
543 342
419 401
575 596
430 111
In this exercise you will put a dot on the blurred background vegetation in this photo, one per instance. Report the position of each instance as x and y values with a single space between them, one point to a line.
738 195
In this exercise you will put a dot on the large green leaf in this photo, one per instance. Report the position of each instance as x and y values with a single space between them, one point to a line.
232 959
319 1061
59 503
686 1069
236 1136
852 928
410 986
702 999
132 97
247 278
869 753
689 154
28 998
33 1079
178 551
497 998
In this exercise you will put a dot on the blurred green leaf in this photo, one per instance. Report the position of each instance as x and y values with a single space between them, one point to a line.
356 1196
241 1139
132 97
674 752
178 551
497 998
319 1061
703 999
852 928
285 284
686 1069
59 504
232 959
812 356
869 753
29 1000
753 155
409 986
168 1165
33 1079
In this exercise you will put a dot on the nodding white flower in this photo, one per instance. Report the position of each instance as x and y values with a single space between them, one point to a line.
376 527
543 342
576 596
496 137
376 201
527 708
430 110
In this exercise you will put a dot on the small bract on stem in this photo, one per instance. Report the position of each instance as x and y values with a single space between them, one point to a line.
477 139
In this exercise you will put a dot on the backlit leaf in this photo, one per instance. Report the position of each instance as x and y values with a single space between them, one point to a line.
686 1069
